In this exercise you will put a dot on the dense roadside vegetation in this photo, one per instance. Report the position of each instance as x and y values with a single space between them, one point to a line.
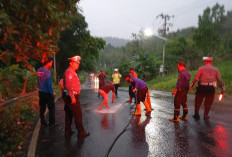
17 121
168 83
32 31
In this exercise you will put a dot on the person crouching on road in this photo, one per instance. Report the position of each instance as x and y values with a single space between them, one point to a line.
104 93
132 85
72 89
206 77
141 86
181 92
101 76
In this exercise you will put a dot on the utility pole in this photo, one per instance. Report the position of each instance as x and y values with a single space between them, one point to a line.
163 31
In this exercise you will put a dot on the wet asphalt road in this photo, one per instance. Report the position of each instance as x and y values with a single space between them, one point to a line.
155 136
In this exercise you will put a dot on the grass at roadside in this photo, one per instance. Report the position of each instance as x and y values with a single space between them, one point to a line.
168 83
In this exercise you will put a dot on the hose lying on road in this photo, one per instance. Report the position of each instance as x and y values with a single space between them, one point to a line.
115 140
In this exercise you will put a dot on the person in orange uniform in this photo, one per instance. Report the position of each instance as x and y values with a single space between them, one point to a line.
105 89
180 93
142 90
116 79
132 85
206 77
72 89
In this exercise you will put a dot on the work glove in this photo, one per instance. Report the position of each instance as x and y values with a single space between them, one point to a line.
73 100
174 92
53 95
223 89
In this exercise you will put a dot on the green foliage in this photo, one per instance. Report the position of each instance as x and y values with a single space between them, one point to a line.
167 83
15 121
12 80
76 40
145 65
82 76
181 50
186 33
124 67
30 30
207 36
225 69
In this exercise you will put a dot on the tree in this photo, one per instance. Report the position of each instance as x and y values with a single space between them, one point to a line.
76 40
146 65
207 36
30 30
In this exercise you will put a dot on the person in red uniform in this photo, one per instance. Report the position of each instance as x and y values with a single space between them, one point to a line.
72 89
132 85
105 89
101 76
180 93
206 77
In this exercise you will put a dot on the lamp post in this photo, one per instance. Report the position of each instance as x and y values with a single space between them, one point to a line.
148 33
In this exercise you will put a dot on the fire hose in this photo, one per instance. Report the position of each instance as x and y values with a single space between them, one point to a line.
115 140
125 128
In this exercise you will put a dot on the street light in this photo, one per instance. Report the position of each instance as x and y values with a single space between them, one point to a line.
148 32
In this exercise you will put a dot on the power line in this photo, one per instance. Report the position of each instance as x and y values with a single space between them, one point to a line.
163 31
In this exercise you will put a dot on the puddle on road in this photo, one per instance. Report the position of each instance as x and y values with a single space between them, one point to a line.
112 109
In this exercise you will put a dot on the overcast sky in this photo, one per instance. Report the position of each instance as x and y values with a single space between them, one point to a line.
120 18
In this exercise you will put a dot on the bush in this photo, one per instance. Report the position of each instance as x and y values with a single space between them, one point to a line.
15 122
12 80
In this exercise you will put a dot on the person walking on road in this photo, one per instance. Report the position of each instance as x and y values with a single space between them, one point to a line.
132 85
105 89
116 79
46 94
72 89
206 77
180 93
101 76
141 86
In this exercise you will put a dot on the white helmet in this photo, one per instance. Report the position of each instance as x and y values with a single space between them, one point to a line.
115 69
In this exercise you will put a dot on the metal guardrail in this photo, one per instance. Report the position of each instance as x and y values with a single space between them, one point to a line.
10 101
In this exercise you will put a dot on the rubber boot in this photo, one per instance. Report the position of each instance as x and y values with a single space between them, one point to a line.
138 110
185 114
176 116
149 99
147 106
196 116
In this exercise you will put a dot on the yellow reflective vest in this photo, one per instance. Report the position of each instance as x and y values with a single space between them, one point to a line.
116 78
